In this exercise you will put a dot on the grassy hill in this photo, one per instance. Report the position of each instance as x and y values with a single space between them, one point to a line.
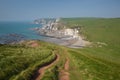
19 62
98 62
22 61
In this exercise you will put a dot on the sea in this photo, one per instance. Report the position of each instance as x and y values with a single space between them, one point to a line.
16 31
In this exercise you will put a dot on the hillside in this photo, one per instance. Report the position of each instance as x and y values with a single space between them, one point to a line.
19 61
98 61
101 60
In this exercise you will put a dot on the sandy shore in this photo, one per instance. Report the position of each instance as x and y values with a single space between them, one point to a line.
72 43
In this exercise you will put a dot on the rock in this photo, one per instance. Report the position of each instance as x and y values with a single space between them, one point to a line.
11 38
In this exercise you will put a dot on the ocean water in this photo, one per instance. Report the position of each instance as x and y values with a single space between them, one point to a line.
18 29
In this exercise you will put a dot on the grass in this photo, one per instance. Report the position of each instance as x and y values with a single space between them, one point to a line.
53 72
92 67
19 62
97 62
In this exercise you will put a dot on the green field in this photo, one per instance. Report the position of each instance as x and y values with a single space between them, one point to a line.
99 61
18 62
21 61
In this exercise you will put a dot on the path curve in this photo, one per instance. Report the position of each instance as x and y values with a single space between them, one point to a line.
41 70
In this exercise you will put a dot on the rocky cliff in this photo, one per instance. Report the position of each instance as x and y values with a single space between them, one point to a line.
60 34
55 28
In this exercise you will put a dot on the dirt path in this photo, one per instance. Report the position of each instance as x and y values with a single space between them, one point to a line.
41 70
66 67
64 74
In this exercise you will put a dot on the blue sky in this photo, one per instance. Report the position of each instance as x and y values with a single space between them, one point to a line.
18 10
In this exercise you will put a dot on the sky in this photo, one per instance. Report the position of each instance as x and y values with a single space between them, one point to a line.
22 10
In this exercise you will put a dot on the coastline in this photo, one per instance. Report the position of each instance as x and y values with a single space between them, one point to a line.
71 43
58 33
48 33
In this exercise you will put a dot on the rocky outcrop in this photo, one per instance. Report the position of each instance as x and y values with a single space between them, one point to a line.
56 29
11 38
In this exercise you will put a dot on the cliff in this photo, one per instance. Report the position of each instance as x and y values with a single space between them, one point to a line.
60 34
55 28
